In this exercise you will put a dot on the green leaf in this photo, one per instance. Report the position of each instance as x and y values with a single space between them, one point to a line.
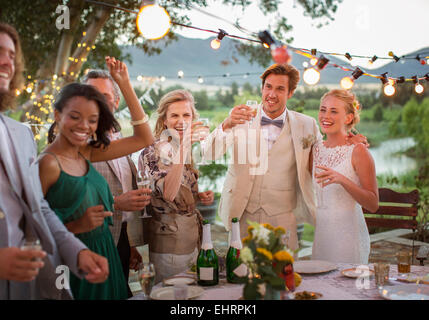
250 291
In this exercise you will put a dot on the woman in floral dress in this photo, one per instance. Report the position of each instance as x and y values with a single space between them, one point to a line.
175 228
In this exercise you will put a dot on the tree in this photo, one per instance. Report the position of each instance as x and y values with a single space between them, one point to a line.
56 57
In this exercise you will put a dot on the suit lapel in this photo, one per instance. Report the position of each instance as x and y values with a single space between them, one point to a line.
113 168
22 174
296 131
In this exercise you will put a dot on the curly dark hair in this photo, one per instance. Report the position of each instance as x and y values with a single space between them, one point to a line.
106 120
7 100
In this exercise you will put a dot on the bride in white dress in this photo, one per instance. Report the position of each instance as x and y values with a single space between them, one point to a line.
345 180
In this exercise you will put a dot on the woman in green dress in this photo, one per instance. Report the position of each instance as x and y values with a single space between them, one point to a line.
74 189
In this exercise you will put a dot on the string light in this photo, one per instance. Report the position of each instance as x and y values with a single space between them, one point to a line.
200 80
153 22
266 39
388 89
279 52
215 43
391 54
418 88
348 82
180 74
311 76
313 61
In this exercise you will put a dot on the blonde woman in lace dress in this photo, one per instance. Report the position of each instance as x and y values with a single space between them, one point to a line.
345 181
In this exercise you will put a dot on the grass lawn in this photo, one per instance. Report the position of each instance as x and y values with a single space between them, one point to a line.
308 234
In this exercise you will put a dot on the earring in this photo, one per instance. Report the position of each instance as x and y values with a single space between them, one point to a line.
56 129
94 136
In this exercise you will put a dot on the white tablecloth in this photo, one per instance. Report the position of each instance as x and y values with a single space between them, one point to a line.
332 285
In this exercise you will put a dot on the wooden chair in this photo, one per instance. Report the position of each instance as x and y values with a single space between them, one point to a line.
393 216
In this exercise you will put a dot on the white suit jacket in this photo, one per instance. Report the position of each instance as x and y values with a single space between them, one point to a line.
238 183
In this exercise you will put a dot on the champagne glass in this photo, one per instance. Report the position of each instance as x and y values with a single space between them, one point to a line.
32 244
146 276
319 189
202 134
144 182
253 104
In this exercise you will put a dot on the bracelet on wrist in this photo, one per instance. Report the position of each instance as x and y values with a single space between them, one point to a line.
141 121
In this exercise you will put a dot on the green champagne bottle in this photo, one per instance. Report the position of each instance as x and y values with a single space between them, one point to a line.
232 257
207 262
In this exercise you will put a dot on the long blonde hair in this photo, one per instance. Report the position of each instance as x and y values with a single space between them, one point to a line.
167 100
351 103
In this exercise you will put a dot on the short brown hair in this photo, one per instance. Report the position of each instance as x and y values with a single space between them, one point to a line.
283 69
8 99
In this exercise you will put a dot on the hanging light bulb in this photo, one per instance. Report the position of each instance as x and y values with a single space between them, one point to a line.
370 62
180 74
311 76
279 52
266 38
305 64
162 78
418 88
153 21
200 79
313 61
388 89
215 43
348 82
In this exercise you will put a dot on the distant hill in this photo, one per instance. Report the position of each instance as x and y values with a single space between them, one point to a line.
196 58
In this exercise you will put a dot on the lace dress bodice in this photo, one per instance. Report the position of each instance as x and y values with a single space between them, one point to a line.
341 234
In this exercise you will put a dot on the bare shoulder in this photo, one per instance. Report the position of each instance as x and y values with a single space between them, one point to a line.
49 168
361 156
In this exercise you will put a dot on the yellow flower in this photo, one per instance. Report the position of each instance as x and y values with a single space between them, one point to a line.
268 226
279 230
249 230
265 253
298 279
283 256
247 239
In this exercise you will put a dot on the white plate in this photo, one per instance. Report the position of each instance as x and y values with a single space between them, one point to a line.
167 293
313 266
405 292
178 280
356 272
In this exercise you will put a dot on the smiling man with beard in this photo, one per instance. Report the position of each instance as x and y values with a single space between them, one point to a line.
24 214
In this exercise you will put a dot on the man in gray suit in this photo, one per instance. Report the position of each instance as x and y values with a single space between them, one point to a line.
24 213
120 174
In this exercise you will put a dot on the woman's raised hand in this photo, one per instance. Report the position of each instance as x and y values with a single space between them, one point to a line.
117 69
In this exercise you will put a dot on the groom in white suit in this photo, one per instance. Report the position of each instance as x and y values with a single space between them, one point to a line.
268 180
24 213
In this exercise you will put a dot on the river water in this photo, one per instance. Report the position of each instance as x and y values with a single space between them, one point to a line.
387 162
